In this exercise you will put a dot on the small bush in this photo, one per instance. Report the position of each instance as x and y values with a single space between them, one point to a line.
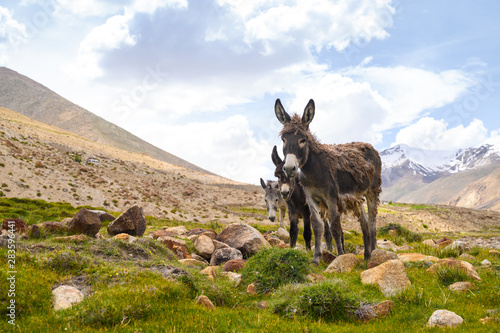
271 268
410 236
328 301
449 275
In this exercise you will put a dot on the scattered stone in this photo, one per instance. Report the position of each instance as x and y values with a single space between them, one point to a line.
486 262
199 258
460 264
131 222
430 243
444 318
162 233
283 234
221 256
263 305
34 231
243 237
233 265
85 222
461 286
169 272
487 320
405 257
380 256
390 277
199 231
386 245
179 230
79 238
125 237
232 276
193 263
177 246
443 242
458 246
205 301
210 233
251 290
205 246
275 242
343 263
210 271
404 248
313 277
220 245
327 256
104 216
494 253
65 296
393 233
18 225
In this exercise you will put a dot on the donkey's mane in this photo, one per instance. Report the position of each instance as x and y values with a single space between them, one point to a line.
340 157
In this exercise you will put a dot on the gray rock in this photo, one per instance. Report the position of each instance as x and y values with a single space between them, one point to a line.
444 318
131 222
221 256
243 237
85 222
66 296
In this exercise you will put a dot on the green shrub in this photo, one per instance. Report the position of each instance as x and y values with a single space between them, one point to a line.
328 301
410 236
272 267
448 275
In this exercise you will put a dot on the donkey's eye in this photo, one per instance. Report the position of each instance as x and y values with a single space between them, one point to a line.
302 142
284 140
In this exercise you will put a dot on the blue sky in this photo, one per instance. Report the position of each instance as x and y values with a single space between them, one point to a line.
199 78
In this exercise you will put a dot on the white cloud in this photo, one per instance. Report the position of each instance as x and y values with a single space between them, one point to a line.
12 34
432 134
317 23
150 6
229 148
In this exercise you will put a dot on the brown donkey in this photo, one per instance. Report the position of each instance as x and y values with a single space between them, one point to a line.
338 176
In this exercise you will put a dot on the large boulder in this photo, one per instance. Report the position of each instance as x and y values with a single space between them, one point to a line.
379 256
131 222
390 277
177 246
205 246
85 222
243 237
221 256
343 263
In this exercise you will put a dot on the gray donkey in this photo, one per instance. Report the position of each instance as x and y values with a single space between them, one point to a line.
274 201
339 177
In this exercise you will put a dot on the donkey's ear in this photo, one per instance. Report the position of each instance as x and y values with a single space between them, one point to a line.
281 114
275 157
308 115
263 184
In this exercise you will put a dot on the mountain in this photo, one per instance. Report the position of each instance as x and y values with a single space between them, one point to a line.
464 177
22 94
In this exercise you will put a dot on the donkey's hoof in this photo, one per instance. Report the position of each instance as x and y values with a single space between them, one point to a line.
315 261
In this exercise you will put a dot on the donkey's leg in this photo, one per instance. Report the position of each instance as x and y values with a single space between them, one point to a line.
367 237
282 217
307 230
294 228
336 228
372 203
328 234
317 226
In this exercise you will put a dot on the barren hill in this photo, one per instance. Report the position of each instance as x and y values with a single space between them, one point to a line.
30 98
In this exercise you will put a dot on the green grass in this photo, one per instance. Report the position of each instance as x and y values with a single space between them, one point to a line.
125 293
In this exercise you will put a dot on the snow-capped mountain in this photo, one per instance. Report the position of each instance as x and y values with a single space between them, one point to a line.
431 163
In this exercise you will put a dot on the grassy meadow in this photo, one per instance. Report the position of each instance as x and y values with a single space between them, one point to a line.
126 292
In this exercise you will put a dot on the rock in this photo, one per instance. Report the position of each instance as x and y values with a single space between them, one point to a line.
468 257
125 237
458 246
177 246
369 312
405 257
169 272
380 256
263 305
66 296
53 227
85 222
210 271
179 230
195 256
34 231
463 265
79 238
131 222
461 286
233 265
221 256
430 243
486 262
220 245
393 233
232 276
251 289
390 277
205 301
487 320
275 242
243 237
19 226
210 233
443 242
104 216
444 318
205 246
327 256
494 253
199 231
404 248
313 277
283 234
386 245
162 233
343 263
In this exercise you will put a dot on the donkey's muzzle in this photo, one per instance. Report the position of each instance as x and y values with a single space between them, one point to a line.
272 218
291 165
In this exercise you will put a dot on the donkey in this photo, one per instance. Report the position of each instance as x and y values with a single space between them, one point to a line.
339 177
295 197
274 201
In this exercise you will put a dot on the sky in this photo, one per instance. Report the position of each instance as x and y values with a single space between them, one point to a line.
199 78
